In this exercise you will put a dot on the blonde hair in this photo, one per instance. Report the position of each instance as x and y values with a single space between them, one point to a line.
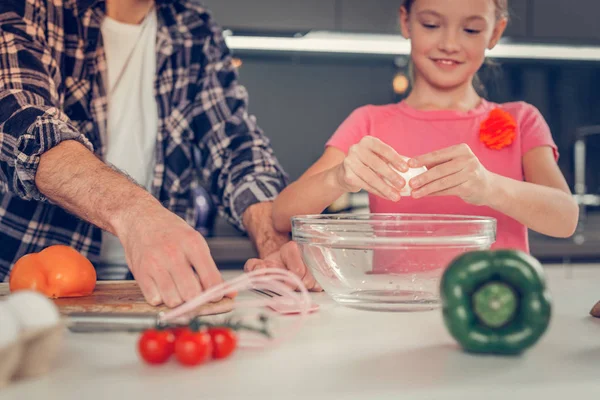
501 7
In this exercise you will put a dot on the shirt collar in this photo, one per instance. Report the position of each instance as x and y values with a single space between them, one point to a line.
83 5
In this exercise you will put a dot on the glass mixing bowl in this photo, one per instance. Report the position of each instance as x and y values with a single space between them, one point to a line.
388 262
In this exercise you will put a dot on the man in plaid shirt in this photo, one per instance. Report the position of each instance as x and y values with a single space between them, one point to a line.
55 186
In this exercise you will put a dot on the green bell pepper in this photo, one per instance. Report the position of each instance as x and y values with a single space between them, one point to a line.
495 301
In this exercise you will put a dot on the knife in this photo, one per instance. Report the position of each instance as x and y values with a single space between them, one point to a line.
88 322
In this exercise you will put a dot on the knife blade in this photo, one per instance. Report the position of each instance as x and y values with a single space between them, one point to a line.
88 322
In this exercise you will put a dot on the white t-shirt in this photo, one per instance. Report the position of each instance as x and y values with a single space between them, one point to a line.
132 108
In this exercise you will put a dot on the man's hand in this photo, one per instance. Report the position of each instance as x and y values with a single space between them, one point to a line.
169 259
275 250
258 221
288 257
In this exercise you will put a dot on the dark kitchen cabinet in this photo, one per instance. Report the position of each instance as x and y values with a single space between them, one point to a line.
285 16
378 16
520 14
575 21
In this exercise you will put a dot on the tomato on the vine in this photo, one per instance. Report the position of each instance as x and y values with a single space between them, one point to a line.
156 346
193 348
178 331
224 342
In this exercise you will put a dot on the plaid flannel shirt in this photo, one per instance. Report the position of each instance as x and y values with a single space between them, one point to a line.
52 88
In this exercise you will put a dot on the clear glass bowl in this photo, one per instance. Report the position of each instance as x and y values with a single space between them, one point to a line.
388 262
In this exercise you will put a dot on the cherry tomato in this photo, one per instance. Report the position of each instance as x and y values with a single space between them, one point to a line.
224 341
156 346
193 348
178 331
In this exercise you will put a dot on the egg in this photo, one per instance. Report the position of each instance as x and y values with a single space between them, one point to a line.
10 326
407 176
10 346
34 310
41 331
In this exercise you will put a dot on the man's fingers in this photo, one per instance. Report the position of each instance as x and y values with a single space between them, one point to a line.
166 287
288 252
149 290
292 255
187 283
292 258
198 254
252 264
289 258
258 264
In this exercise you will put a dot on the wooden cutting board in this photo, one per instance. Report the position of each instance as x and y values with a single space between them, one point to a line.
121 297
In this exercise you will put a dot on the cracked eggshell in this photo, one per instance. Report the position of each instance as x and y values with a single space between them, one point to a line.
407 176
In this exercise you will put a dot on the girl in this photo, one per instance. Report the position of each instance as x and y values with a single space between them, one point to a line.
482 158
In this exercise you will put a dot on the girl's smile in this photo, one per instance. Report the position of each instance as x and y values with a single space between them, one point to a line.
446 64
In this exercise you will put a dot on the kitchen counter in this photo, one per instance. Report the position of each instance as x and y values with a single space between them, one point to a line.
343 353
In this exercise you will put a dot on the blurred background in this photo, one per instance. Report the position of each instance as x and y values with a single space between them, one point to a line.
308 64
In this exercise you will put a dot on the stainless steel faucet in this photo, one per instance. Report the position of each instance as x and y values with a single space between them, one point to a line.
583 198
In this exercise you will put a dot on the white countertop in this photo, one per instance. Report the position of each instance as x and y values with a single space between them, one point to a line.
343 353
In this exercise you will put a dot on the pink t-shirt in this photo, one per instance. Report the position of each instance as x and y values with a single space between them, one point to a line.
413 132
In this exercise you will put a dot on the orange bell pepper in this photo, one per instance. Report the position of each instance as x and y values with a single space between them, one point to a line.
57 271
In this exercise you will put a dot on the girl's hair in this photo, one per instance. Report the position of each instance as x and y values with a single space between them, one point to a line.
501 7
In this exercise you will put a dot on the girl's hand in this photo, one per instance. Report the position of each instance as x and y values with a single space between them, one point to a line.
453 171
368 166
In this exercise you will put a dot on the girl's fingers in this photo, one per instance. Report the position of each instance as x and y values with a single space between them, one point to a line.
438 172
386 152
438 157
454 191
373 183
441 185
381 168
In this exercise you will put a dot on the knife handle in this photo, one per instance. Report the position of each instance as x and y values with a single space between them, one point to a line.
110 322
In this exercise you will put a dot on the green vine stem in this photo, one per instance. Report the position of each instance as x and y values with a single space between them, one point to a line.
197 324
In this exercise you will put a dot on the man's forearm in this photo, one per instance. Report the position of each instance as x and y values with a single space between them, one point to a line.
544 209
75 179
257 220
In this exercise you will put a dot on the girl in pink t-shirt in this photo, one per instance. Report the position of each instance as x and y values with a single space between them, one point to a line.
482 158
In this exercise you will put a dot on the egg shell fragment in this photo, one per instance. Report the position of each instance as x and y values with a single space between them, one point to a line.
407 176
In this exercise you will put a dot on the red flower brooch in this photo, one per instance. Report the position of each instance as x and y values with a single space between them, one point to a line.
498 130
